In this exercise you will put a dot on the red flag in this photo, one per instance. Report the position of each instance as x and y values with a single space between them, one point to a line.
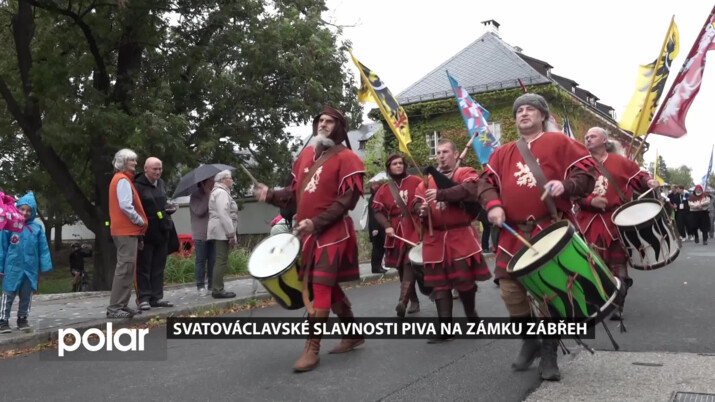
670 119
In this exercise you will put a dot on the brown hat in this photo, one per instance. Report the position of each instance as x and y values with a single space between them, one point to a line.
534 100
340 132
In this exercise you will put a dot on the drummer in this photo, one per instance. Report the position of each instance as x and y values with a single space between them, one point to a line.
510 190
327 183
594 219
390 206
452 255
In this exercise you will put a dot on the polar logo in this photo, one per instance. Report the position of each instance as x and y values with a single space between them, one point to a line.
108 342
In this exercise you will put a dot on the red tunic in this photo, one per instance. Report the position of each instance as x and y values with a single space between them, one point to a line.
334 250
559 158
595 224
384 203
454 239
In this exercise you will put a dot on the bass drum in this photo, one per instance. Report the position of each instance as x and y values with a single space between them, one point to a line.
566 278
275 263
418 269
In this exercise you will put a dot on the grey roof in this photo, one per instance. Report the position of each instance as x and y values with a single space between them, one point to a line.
364 133
487 64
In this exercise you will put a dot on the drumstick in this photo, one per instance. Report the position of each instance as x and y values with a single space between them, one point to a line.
404 240
253 179
290 239
641 196
546 192
518 236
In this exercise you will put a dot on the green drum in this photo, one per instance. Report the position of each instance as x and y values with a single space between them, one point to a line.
566 276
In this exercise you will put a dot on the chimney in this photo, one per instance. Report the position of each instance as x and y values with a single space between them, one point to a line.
492 26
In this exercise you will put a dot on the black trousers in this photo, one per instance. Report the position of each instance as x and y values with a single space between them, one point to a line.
378 251
151 262
681 221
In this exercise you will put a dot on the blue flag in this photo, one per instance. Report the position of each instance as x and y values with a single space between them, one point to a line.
706 178
475 118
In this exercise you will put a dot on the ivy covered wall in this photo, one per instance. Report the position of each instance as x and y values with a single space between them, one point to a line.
444 117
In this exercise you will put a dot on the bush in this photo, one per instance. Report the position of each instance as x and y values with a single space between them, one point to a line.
181 270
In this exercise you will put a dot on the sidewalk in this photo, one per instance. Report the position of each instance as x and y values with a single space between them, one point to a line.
87 310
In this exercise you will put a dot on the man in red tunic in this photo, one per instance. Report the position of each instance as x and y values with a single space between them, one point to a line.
596 210
327 183
452 256
391 211
508 190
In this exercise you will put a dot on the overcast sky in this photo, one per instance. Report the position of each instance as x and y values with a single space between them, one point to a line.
597 44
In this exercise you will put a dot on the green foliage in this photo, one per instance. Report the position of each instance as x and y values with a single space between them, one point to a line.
190 82
181 270
375 155
443 116
682 176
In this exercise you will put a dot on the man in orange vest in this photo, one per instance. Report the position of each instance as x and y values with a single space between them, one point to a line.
128 225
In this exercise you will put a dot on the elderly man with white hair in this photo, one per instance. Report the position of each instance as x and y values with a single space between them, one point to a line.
223 223
617 178
127 226
151 261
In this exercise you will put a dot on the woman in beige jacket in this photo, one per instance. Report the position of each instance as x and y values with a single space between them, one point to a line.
699 216
223 223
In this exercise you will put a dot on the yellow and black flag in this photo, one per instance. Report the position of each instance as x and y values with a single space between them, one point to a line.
650 85
372 89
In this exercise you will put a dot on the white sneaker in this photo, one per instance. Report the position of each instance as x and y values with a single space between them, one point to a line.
202 292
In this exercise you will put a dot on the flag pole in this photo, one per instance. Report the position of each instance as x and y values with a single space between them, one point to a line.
650 88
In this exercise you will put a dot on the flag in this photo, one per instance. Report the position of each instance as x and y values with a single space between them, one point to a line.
706 178
373 90
475 118
649 86
567 128
670 120
655 170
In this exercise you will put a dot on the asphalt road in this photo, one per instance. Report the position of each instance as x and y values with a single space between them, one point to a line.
669 309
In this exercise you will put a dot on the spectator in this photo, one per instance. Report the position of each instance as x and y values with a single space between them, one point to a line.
77 262
680 204
205 251
127 225
712 214
377 232
22 256
699 218
279 225
151 260
223 223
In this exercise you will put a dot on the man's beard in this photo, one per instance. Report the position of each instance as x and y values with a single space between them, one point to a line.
322 140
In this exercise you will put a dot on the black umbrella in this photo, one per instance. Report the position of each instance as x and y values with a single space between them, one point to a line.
188 183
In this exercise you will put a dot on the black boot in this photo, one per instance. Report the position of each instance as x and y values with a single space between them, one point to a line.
530 348
548 366
620 301
469 302
443 300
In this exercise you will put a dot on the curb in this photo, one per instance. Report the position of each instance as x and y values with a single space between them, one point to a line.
48 335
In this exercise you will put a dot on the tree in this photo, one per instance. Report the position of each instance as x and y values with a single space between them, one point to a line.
682 176
375 156
188 81
663 171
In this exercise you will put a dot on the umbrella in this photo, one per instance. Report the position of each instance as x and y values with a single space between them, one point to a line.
188 183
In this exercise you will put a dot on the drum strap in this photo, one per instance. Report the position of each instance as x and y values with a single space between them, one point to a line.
538 175
612 181
401 204
320 162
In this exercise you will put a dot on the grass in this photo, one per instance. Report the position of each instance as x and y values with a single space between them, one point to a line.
181 270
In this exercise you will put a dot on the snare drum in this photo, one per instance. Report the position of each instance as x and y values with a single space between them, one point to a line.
415 257
566 276
647 233
275 263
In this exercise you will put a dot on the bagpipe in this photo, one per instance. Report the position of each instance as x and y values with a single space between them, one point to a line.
442 182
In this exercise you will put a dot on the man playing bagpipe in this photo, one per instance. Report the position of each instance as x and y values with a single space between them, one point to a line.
452 255
617 178
391 211
510 189
327 183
